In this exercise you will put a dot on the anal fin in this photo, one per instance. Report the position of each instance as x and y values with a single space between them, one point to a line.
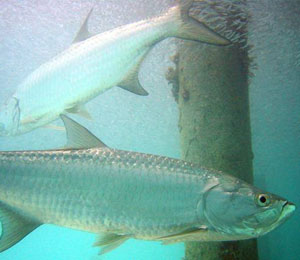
14 228
109 241
131 81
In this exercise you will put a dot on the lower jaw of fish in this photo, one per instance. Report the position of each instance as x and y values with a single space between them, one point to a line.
287 210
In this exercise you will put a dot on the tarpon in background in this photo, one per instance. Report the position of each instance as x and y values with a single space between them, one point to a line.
121 195
93 65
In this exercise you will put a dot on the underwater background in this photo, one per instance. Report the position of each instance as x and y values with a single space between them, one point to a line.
32 32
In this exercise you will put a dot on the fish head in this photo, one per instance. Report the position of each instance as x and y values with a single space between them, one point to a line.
240 211
10 117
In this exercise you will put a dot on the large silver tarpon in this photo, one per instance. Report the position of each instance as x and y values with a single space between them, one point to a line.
91 66
121 195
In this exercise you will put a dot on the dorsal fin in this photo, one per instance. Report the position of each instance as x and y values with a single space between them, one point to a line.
83 32
79 137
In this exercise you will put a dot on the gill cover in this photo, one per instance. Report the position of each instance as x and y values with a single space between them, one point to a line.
227 204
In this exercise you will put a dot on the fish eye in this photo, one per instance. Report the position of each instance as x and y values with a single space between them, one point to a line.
263 200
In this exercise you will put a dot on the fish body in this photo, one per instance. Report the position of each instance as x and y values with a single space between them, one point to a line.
91 66
105 190
122 195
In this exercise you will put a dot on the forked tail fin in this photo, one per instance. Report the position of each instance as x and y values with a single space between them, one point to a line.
190 28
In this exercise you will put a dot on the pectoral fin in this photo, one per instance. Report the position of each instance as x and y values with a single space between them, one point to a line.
80 110
54 127
28 120
131 81
78 137
14 228
83 32
183 236
109 241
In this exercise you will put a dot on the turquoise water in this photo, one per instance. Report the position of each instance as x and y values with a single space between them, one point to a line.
275 107
32 32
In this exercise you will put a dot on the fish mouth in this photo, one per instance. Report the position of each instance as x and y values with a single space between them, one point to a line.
287 210
8 132
3 132
10 118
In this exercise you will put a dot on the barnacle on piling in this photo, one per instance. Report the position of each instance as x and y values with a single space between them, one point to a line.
175 58
185 95
171 76
227 17
230 19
